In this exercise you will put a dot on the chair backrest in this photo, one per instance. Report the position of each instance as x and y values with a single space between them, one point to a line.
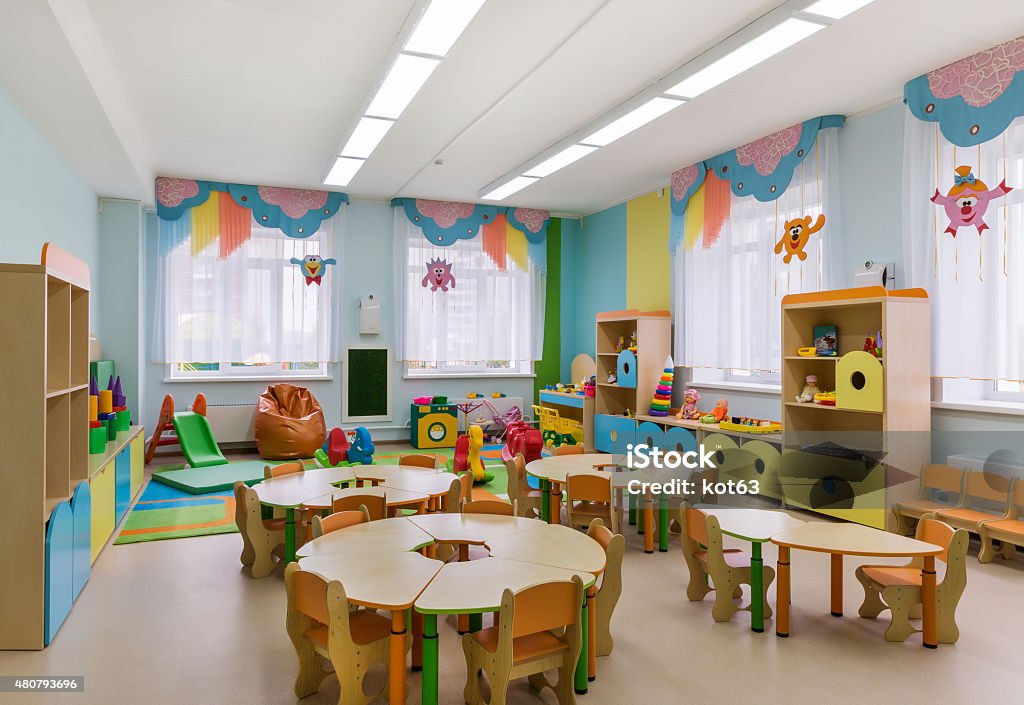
588 488
315 603
1017 498
340 520
942 477
279 470
569 450
954 555
309 595
546 606
987 487
516 469
695 525
488 506
614 546
421 460
375 504
697 478
931 530
240 509
466 478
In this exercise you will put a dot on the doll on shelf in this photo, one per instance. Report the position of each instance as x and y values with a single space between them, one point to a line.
689 409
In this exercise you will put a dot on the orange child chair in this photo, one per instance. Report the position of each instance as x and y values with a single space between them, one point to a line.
589 497
495 507
538 630
569 450
339 520
528 500
422 460
1009 530
898 588
934 478
709 561
376 505
262 539
610 589
320 624
281 470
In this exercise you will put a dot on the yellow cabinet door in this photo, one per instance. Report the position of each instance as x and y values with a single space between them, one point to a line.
138 463
102 488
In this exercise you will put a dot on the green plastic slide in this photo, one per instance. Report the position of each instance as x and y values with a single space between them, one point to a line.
197 441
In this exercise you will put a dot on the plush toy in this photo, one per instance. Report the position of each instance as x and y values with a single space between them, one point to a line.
810 389
689 410
720 411
612 378
361 450
967 200
313 267
439 275
795 236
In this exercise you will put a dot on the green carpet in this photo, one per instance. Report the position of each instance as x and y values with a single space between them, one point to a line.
491 455
164 512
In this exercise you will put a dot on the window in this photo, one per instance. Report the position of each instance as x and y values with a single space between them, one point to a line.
249 313
487 323
728 292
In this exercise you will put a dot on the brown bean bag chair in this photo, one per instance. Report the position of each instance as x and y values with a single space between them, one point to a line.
289 423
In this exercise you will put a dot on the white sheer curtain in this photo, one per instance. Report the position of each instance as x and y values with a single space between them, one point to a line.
490 318
252 307
976 283
726 299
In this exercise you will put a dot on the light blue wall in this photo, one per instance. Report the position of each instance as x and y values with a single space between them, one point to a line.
600 255
366 244
43 199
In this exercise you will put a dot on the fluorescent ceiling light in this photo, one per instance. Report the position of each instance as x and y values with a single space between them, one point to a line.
564 158
365 138
836 9
343 171
634 119
750 54
441 25
406 77
507 189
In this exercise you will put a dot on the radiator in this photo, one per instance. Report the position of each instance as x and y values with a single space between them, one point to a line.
482 416
232 423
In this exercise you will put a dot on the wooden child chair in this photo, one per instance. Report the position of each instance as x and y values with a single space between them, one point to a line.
262 539
271 471
339 520
898 588
589 496
422 460
610 589
320 624
527 499
375 504
1009 530
538 630
569 450
489 506
727 568
986 497
934 478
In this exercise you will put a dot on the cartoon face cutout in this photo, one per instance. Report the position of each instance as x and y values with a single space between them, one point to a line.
968 200
795 236
439 275
313 267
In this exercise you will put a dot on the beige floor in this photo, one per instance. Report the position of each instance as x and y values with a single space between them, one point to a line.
178 622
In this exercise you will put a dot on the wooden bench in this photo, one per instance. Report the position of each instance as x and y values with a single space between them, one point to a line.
986 496
1009 530
934 479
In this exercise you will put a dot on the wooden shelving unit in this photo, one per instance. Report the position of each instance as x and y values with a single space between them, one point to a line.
44 422
896 430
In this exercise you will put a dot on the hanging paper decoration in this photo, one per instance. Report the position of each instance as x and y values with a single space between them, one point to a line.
974 99
517 248
693 218
663 393
493 235
313 267
439 275
205 225
531 222
967 200
795 235
716 207
235 225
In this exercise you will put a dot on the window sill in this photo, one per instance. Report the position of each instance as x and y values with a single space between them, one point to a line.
260 378
1006 408
749 387
471 375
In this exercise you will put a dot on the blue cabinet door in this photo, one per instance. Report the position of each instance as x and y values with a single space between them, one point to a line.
60 549
122 484
612 434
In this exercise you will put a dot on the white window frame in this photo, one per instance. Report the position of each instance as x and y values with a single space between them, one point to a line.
417 370
232 372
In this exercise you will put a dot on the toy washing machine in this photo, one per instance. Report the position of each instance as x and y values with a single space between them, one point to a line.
434 425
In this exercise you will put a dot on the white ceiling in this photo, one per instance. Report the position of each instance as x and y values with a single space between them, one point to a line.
261 91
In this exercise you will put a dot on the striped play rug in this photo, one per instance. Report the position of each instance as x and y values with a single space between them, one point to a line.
164 512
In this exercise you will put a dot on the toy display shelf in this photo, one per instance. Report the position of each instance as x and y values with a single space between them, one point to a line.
653 339
569 405
702 430
895 421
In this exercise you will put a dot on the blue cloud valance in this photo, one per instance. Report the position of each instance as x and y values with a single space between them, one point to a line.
445 222
974 99
762 168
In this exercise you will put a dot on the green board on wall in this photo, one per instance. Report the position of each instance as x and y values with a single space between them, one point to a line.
366 393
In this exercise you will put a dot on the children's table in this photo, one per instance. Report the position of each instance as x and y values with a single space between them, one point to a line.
840 540
474 529
476 587
551 472
756 526
390 581
383 536
379 473
394 498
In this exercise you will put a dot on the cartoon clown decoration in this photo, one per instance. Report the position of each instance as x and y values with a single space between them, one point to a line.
313 267
968 200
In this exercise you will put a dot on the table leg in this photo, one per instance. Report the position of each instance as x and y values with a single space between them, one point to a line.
417 640
663 523
428 685
591 642
289 535
837 584
476 622
929 607
639 513
396 669
756 588
545 504
580 680
648 524
555 513
462 621
782 594
631 498
421 508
